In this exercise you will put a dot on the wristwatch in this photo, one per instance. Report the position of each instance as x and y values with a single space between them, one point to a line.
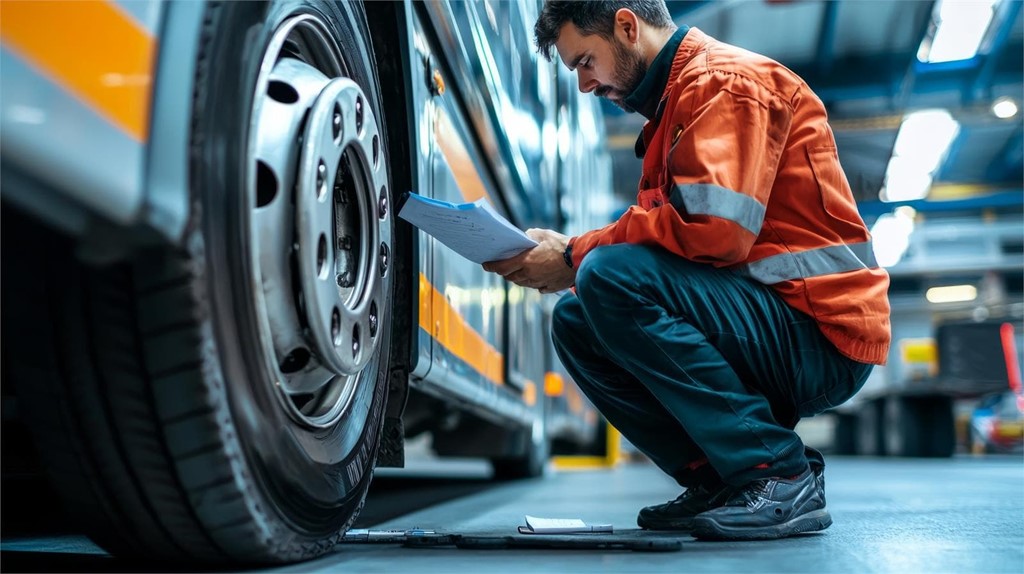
567 255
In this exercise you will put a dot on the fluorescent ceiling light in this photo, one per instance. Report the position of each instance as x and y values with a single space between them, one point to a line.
925 136
890 236
905 181
961 28
921 145
1004 108
952 294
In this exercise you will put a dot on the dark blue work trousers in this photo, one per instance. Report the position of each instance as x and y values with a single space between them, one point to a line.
704 371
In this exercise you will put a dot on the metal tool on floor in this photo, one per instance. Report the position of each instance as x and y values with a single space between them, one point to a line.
421 538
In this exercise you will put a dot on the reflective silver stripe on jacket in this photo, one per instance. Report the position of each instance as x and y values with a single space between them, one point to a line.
710 199
810 263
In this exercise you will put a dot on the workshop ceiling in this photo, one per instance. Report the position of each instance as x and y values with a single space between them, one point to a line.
861 58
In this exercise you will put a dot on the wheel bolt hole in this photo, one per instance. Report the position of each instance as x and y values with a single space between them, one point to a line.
359 114
336 327
321 180
266 184
373 318
321 256
295 360
382 203
282 92
355 340
336 123
385 255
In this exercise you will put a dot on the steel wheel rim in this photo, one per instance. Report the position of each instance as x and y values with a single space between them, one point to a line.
319 224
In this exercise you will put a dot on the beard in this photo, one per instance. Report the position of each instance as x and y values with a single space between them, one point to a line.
630 70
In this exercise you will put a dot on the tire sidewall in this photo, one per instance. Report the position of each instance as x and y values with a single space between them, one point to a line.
314 479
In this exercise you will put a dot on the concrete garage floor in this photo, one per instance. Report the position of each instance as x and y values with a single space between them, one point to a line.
890 515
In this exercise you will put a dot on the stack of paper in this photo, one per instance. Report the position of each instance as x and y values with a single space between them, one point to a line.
536 525
473 230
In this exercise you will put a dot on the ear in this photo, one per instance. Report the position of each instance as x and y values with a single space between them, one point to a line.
627 26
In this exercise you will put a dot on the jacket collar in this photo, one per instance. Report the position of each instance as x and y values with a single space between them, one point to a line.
647 94
692 40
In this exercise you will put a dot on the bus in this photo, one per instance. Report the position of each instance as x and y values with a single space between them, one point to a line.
214 325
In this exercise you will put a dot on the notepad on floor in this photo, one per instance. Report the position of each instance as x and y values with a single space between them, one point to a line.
535 525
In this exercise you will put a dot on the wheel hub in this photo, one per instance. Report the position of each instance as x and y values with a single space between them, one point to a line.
336 226
319 226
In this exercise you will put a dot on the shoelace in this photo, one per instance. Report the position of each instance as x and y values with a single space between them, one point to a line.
751 493
690 492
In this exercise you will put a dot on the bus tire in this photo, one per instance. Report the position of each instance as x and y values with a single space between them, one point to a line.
173 422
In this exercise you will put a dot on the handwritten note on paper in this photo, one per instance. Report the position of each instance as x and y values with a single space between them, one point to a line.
473 230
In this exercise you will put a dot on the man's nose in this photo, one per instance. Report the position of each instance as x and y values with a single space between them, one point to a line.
587 82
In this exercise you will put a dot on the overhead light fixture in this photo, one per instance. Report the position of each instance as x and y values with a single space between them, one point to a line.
890 236
921 145
1004 108
961 26
952 294
905 181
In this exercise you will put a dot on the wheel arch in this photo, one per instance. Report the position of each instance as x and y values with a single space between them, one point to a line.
393 66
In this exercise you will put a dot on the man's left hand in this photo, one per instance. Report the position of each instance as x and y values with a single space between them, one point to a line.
542 267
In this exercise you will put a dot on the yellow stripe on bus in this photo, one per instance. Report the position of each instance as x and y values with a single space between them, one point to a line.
529 393
455 153
443 322
554 384
91 48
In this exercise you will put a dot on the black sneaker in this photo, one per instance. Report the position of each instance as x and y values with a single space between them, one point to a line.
767 509
819 476
678 514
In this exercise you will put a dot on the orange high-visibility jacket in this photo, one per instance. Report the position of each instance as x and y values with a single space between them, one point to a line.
741 172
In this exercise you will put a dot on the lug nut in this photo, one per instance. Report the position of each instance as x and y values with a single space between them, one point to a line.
336 122
321 179
384 258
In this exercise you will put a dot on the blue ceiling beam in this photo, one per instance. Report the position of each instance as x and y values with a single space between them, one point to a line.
846 81
827 38
926 85
905 88
679 10
870 210
1007 164
1003 22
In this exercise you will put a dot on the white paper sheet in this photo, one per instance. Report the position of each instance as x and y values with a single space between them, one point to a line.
473 230
536 525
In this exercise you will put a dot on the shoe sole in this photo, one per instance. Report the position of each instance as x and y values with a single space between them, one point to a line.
707 529
681 525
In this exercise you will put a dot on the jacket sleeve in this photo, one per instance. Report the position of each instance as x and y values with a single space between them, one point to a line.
729 133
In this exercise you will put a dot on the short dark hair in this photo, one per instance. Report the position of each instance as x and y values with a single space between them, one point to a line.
593 17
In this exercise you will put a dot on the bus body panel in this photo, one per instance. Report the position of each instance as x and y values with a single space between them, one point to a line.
64 125
507 126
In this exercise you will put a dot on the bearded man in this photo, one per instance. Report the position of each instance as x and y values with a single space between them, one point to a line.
740 293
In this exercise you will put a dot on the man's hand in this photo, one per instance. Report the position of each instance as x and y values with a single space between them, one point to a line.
542 267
